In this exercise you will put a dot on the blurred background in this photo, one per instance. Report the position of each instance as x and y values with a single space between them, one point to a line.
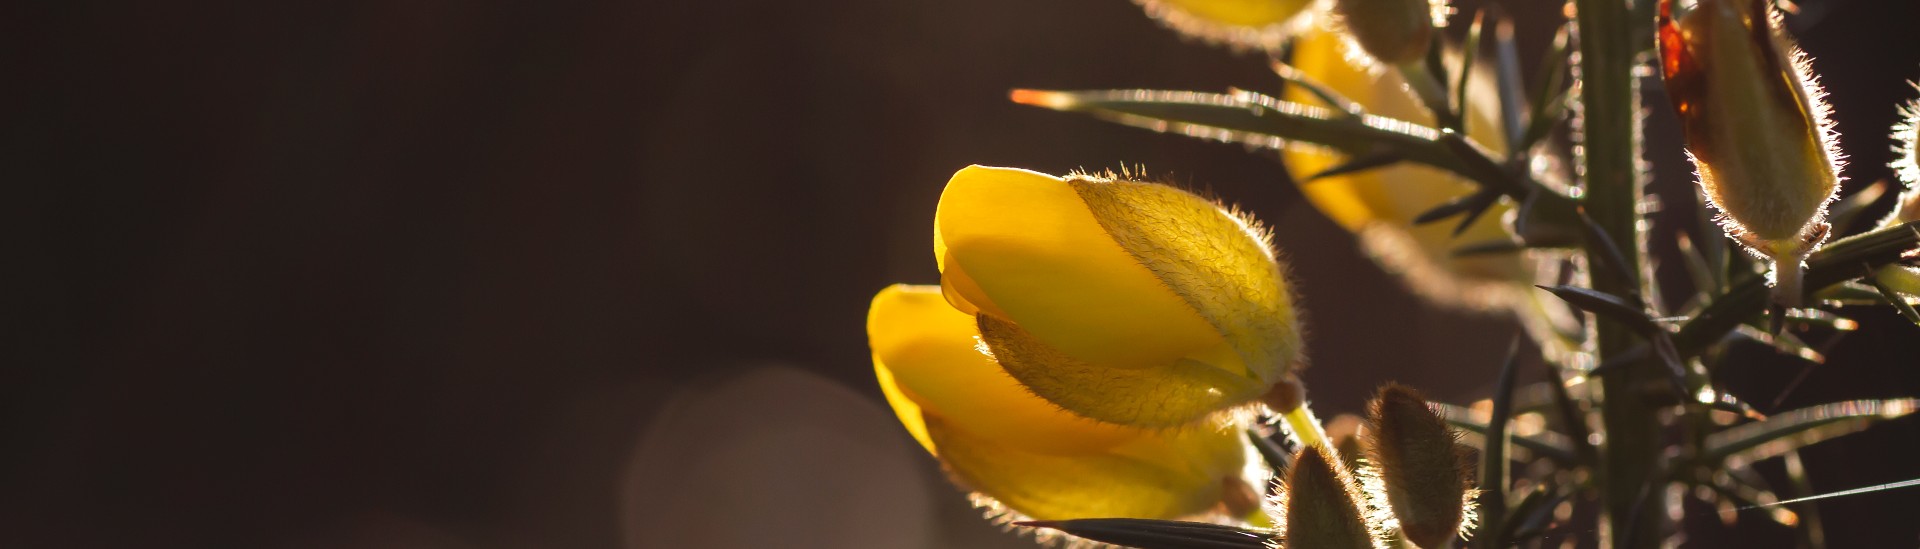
449 274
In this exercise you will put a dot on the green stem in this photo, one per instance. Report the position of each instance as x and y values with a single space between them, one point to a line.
1837 262
1609 104
1307 428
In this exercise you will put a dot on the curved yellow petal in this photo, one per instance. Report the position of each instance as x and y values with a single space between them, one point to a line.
1379 205
1242 13
926 360
1244 23
1159 475
1368 196
1022 246
1173 394
909 411
1221 264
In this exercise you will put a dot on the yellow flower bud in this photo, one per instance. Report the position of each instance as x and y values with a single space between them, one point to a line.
1390 31
1126 302
1379 205
1756 127
1026 456
1261 24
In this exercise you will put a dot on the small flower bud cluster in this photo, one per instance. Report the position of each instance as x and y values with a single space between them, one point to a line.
1093 349
1415 480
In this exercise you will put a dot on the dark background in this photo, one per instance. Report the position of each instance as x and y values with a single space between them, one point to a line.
420 273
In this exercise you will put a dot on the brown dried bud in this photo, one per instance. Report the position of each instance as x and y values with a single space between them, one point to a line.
1286 395
1323 511
1426 478
1390 31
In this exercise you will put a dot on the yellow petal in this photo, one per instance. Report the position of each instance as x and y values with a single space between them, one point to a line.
1379 205
1219 263
1172 394
1242 13
1022 246
909 411
1243 23
927 364
1159 475
1418 188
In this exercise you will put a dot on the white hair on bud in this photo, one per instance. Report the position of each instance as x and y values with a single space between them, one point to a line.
1906 162
1807 85
1906 138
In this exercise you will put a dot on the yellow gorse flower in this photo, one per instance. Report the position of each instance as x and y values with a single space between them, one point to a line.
1126 302
1260 24
1028 456
1379 205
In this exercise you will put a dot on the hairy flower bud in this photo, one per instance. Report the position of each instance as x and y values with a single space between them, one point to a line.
1756 127
1323 509
1426 478
1906 165
1262 24
1390 31
1024 456
1122 301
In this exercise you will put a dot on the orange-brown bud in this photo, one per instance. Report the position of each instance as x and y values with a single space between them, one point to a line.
1755 126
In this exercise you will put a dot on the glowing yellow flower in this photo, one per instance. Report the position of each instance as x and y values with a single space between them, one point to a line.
1240 23
1379 205
1027 455
1126 302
